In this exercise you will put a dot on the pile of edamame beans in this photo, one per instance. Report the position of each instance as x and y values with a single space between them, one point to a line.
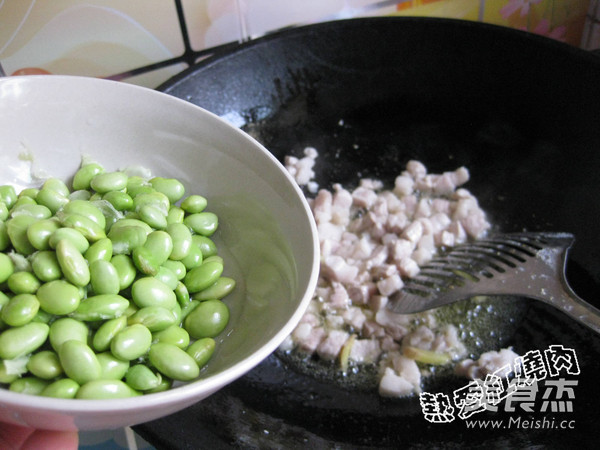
110 289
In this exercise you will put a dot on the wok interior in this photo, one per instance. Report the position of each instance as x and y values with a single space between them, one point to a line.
517 110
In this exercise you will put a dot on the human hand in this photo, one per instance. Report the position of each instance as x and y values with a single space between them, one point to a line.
15 437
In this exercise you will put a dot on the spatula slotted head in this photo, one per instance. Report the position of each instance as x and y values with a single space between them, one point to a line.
512 264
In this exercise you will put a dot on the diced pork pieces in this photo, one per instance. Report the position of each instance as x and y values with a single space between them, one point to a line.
371 240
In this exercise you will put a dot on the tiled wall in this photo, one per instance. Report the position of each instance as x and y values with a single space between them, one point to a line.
147 41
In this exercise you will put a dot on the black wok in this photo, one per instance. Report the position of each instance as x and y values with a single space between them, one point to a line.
520 111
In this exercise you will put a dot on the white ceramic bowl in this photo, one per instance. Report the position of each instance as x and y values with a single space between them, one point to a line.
266 234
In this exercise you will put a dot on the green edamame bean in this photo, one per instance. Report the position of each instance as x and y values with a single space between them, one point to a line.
72 235
156 199
194 204
126 239
121 201
165 385
4 239
174 335
105 389
142 378
79 361
109 181
29 192
80 195
8 195
153 216
39 233
155 318
43 317
107 331
66 329
182 294
101 307
101 249
149 291
16 228
45 265
45 365
51 199
56 185
177 267
173 362
203 276
188 308
175 215
171 187
132 220
19 341
90 229
59 297
62 388
204 223
23 283
104 278
208 319
167 277
214 258
72 263
176 311
193 259
206 244
7 267
20 310
83 176
3 212
144 260
86 209
222 287
21 201
28 385
111 367
132 342
137 185
125 269
182 240
160 244
202 350
39 212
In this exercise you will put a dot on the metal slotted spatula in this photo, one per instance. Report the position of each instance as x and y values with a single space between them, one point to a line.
518 264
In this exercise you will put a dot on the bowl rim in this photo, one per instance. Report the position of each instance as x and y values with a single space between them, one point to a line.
213 382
